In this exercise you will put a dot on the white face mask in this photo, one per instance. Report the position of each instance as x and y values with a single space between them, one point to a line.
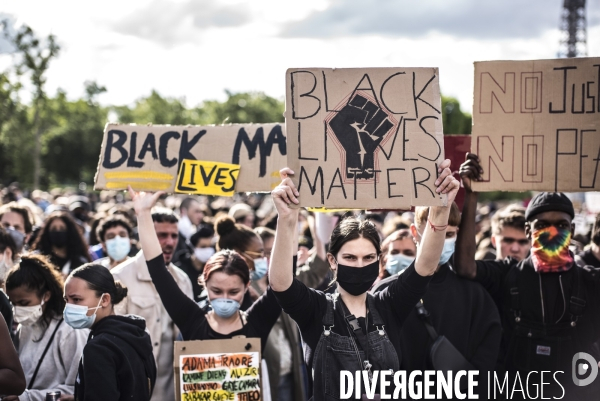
28 315
203 254
118 248
5 265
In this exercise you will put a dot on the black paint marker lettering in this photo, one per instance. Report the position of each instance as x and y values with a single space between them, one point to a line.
185 150
590 96
295 116
416 183
558 153
573 111
131 162
400 124
300 144
390 184
564 100
207 178
582 156
313 188
180 186
375 182
163 146
418 97
433 137
331 186
381 93
325 140
369 88
149 146
117 144
258 144
220 176
405 140
233 180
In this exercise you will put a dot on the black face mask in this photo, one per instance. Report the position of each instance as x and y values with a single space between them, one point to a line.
357 280
58 238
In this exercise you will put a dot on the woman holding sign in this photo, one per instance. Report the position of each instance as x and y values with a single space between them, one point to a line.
334 328
226 277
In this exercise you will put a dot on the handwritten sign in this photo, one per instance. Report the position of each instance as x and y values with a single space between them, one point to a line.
364 138
537 125
207 178
216 370
151 157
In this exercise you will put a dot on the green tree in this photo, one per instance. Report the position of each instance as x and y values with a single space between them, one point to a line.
252 107
34 56
455 121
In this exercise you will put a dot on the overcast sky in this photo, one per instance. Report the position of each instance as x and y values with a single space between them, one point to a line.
195 49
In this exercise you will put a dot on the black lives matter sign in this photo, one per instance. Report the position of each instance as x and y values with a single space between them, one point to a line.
364 138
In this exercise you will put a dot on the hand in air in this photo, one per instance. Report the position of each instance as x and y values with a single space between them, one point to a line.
285 194
470 171
143 201
446 183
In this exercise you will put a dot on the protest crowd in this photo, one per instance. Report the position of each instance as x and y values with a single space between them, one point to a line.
98 286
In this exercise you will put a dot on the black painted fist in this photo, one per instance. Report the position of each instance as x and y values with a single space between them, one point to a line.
360 126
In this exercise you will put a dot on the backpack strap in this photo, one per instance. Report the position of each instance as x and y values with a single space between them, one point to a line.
328 320
577 303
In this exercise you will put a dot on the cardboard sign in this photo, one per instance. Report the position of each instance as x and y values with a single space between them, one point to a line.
218 370
536 125
364 138
150 157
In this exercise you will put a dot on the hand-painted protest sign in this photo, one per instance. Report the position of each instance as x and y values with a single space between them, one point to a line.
364 138
537 125
150 157
218 370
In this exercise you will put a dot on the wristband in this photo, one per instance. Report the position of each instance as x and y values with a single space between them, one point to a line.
436 228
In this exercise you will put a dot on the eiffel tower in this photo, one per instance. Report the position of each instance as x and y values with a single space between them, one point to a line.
573 24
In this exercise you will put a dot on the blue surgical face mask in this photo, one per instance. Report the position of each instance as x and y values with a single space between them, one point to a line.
260 269
224 307
448 250
397 263
76 315
118 248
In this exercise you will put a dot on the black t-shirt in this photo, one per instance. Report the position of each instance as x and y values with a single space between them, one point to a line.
460 310
191 318
308 306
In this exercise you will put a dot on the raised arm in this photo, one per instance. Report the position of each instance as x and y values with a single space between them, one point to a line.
434 235
182 310
284 196
464 256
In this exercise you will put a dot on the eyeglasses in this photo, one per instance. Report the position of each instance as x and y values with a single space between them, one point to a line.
510 241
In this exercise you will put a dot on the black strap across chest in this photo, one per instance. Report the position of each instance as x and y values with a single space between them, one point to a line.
37 368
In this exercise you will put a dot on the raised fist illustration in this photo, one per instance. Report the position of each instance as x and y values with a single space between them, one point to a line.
359 127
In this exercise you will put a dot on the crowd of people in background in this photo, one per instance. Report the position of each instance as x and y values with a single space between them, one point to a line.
97 287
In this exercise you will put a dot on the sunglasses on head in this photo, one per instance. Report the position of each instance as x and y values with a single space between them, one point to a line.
510 241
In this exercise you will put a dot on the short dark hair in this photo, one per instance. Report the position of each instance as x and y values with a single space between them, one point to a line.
110 222
227 261
204 231
510 216
352 228
100 279
185 204
265 233
23 211
164 215
422 214
36 273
